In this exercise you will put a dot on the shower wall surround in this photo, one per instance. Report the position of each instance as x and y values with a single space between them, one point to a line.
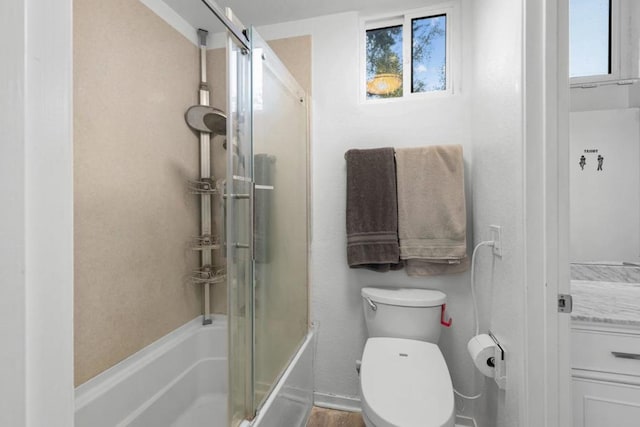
134 77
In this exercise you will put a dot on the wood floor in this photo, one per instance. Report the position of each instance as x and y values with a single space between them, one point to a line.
321 417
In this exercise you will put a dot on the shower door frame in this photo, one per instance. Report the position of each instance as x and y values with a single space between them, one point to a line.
240 299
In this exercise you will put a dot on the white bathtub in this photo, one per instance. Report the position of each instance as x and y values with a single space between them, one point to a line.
178 381
181 381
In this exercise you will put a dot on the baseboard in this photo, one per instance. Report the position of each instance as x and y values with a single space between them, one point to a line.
334 401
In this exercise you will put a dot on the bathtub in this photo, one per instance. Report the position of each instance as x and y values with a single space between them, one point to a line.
176 381
181 381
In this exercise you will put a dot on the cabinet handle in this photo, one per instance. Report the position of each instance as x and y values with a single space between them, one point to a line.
626 355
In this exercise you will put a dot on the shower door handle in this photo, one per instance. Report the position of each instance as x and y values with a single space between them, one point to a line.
240 196
237 196
252 220
223 225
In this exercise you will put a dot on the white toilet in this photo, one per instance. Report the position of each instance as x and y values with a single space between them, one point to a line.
404 379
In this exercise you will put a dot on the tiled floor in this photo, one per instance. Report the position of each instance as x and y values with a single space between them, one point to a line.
321 417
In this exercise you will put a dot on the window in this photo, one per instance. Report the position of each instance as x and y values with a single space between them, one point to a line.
591 39
384 62
429 54
407 55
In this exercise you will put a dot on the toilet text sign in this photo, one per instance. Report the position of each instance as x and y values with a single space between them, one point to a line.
598 161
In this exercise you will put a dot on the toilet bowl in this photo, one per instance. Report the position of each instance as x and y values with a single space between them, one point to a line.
404 379
405 383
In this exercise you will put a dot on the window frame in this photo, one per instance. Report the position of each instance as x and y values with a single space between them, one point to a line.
374 24
405 19
614 52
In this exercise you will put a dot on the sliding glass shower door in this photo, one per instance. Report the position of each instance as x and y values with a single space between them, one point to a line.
266 207
280 146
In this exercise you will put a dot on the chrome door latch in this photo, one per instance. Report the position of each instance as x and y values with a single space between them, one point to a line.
565 303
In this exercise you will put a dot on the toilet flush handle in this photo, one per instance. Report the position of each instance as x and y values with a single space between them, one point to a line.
372 304
445 319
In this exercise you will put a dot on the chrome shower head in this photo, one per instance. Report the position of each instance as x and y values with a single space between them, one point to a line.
202 118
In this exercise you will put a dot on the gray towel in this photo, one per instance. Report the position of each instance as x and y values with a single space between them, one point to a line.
432 219
372 210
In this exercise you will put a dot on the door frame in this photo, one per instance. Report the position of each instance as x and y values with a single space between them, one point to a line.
546 134
36 171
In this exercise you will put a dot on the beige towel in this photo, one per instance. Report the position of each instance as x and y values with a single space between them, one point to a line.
432 220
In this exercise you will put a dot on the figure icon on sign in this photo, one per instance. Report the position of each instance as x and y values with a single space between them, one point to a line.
600 160
583 161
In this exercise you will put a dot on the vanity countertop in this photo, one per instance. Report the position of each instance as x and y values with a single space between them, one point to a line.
612 303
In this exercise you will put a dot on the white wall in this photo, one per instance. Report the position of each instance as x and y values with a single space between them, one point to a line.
36 293
585 103
605 205
498 193
12 222
341 122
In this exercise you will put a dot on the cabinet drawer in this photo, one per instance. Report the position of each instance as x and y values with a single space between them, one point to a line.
594 350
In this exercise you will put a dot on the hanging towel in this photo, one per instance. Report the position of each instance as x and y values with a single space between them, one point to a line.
432 219
372 210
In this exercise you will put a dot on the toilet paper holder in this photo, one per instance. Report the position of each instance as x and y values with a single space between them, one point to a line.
500 375
488 356
500 349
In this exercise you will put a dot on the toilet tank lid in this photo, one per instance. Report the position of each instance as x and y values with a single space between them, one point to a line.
405 297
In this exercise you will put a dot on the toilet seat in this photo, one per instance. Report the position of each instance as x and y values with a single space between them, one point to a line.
405 383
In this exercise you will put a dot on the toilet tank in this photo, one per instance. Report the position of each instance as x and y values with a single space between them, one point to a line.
403 313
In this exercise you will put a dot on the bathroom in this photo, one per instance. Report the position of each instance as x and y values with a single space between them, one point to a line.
86 238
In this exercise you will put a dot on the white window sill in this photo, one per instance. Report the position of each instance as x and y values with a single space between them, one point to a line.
586 84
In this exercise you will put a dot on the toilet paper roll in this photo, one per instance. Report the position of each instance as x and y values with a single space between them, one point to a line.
482 350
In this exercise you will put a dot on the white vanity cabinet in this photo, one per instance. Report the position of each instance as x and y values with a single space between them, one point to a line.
606 375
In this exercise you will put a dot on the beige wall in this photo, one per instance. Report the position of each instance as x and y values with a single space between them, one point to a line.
134 77
217 78
295 54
